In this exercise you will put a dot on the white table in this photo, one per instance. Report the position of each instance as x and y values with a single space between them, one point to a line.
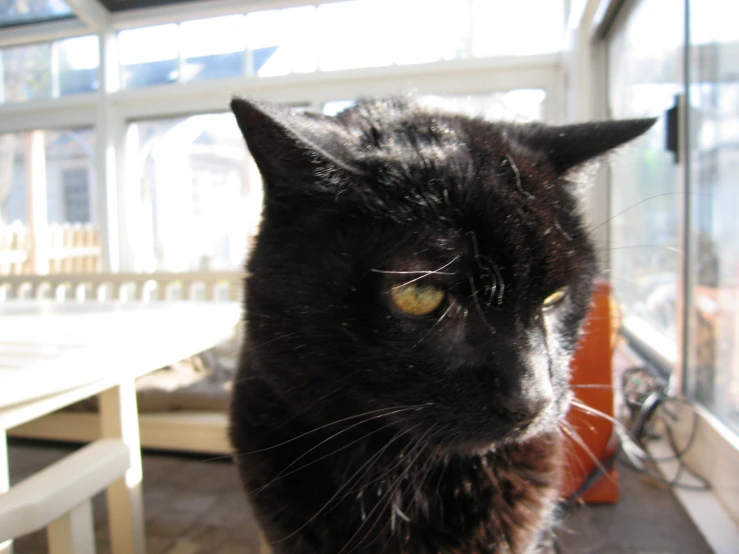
54 354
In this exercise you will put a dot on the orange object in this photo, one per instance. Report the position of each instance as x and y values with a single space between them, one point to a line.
588 418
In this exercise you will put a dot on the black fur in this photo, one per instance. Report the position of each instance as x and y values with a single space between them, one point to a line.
358 429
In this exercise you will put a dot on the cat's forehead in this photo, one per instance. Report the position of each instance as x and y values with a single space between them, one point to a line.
429 165
398 124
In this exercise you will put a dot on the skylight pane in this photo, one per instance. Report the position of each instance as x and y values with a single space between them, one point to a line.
19 12
27 72
213 48
79 59
149 55
505 28
282 41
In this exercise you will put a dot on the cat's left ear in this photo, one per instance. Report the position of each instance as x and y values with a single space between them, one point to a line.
569 146
288 144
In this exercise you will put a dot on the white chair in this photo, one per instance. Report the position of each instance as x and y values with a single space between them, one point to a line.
60 497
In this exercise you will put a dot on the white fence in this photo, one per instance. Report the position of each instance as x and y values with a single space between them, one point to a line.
67 248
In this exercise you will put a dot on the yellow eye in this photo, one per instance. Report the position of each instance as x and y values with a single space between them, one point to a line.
417 299
554 298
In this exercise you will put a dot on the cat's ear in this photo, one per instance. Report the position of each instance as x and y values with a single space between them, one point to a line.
569 146
287 143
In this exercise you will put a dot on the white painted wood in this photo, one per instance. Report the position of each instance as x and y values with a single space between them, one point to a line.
264 548
119 420
42 32
36 201
232 280
74 532
93 13
202 432
76 110
52 492
583 66
59 347
469 76
18 414
714 453
6 547
705 508
109 146
54 354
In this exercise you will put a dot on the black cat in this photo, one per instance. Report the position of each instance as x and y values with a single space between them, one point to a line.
414 297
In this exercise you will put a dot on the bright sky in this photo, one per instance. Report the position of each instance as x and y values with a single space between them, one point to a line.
343 35
360 33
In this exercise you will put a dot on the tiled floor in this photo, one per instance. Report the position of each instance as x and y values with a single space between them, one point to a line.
195 506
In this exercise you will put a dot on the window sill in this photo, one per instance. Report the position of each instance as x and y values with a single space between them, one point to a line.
714 454
708 509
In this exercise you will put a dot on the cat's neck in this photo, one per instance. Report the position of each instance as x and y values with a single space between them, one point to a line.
367 482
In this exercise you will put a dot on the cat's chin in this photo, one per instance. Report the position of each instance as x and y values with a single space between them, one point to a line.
485 445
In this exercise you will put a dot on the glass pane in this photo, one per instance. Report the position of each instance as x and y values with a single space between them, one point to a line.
370 33
79 59
213 48
644 72
348 34
714 178
48 193
336 106
15 12
281 41
514 105
416 24
197 197
338 35
27 72
149 55
520 28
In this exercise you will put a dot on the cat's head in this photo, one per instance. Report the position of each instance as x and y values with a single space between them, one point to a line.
427 268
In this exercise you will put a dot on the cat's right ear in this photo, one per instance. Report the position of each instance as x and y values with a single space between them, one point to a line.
290 146
569 146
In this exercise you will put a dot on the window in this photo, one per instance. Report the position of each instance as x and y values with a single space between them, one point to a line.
348 34
714 198
674 226
46 186
493 35
337 36
367 33
47 70
213 48
79 59
149 56
282 41
18 12
76 194
195 194
645 71
27 72
514 105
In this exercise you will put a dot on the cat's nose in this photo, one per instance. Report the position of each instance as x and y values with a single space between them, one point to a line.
523 410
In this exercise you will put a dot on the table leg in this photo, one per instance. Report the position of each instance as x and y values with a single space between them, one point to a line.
7 546
74 532
119 420
264 548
